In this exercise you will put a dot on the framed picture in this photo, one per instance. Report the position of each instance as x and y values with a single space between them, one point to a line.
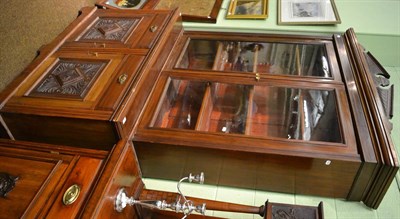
248 9
122 4
307 12
194 11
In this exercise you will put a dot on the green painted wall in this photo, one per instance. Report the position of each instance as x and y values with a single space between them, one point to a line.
376 23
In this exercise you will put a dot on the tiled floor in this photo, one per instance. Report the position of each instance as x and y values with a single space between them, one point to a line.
333 208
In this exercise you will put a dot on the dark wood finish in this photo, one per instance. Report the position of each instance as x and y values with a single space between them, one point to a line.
362 157
100 83
121 171
278 210
80 89
381 79
380 149
4 133
271 172
43 172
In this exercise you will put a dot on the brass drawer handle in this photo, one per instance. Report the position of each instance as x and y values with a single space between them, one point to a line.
153 28
122 78
94 54
100 45
71 195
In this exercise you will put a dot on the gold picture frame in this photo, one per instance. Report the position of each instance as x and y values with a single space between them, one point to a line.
304 12
248 9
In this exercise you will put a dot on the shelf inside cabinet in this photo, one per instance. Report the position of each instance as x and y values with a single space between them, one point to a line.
180 105
226 109
268 111
294 59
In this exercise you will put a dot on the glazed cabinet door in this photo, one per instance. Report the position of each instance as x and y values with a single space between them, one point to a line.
283 57
288 116
273 108
228 126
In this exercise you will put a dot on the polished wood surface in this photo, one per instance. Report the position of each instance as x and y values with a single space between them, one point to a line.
278 173
378 147
95 94
83 175
121 171
360 152
43 171
76 89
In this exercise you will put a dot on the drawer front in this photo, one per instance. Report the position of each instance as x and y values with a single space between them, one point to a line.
124 173
128 74
152 32
76 189
30 181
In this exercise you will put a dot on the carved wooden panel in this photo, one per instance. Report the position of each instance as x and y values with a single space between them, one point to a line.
116 29
382 83
288 211
69 78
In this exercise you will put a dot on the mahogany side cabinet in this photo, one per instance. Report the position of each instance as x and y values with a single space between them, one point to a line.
287 113
87 87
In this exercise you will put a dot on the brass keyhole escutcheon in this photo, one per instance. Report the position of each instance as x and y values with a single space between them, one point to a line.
122 78
257 77
153 28
71 194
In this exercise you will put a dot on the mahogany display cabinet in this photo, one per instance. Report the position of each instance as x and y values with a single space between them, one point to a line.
286 113
86 88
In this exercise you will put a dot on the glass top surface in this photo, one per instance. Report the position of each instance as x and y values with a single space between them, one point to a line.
258 57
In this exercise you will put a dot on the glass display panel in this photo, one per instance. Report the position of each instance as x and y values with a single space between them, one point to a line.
228 108
253 110
180 105
260 57
292 113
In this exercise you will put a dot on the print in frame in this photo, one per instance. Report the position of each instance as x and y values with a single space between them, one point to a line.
122 4
192 11
248 9
205 11
307 12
